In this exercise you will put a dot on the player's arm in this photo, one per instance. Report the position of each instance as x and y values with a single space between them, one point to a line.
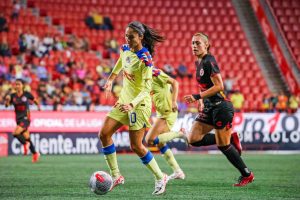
175 87
36 102
116 70
7 100
217 87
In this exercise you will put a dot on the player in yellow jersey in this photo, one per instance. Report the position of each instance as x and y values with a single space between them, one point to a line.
167 110
133 107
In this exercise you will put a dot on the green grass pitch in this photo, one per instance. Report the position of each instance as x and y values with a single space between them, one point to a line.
208 177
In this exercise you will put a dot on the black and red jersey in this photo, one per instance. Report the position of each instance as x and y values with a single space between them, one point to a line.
21 104
207 68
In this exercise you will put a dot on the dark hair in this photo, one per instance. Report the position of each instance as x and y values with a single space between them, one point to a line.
20 80
151 36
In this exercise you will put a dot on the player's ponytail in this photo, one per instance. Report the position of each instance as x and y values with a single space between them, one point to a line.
151 36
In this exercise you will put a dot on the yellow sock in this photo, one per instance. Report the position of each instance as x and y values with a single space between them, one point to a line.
111 160
154 168
169 157
166 137
151 164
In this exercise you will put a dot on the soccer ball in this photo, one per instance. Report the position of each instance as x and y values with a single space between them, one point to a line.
100 182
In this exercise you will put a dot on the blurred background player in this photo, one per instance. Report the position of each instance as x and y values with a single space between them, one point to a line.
216 112
166 106
133 107
21 100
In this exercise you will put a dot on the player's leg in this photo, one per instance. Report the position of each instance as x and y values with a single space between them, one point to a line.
35 154
223 142
110 126
136 144
222 117
161 126
18 133
200 136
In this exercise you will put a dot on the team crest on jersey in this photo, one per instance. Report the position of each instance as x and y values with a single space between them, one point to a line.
128 59
201 72
24 99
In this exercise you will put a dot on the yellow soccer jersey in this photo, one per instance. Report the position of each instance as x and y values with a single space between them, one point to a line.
161 90
137 76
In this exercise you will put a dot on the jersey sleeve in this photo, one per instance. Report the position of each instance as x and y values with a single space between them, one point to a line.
118 66
11 98
163 77
29 96
212 67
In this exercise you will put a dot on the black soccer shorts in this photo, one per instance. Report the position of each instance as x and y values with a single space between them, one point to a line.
218 114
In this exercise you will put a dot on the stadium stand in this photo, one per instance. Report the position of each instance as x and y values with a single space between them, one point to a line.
177 20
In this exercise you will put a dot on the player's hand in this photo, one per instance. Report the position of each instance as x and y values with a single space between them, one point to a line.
200 105
189 99
125 107
174 106
116 104
108 88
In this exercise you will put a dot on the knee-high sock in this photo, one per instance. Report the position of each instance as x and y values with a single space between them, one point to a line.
208 139
151 164
166 137
21 138
111 159
233 156
169 157
31 147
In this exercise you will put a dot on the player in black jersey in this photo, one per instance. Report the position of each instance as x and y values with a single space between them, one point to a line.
21 100
215 111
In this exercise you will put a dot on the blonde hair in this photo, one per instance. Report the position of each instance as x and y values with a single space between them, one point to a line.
205 38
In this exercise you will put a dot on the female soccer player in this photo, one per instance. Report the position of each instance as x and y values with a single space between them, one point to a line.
166 108
20 100
217 112
133 107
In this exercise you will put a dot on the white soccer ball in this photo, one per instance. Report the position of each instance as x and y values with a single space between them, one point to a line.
100 182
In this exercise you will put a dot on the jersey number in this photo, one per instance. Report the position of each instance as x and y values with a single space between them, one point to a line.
133 117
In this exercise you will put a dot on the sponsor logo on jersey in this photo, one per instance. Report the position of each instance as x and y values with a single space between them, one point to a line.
201 72
24 99
128 59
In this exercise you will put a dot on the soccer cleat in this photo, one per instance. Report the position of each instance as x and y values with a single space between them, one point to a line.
120 180
35 157
243 181
160 185
25 148
235 141
177 175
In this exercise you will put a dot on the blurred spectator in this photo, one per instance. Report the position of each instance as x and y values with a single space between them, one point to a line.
237 100
41 71
98 20
169 69
265 105
22 43
16 10
89 21
61 67
282 103
294 102
3 23
4 48
182 71
3 71
108 24
228 84
273 102
114 46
